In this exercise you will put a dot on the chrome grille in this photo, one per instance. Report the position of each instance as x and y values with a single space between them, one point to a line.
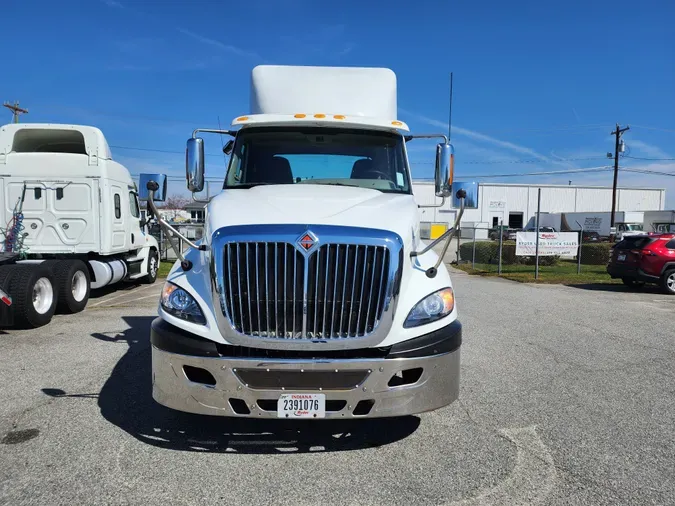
266 285
264 288
345 293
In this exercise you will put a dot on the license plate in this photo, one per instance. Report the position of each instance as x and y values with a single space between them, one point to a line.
621 258
301 406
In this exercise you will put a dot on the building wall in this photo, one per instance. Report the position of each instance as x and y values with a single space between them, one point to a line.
498 200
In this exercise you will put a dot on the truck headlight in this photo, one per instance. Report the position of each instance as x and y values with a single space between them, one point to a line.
177 302
431 308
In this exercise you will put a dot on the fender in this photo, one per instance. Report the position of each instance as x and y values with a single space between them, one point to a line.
668 265
150 244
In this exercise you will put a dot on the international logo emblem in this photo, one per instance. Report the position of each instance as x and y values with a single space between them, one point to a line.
307 241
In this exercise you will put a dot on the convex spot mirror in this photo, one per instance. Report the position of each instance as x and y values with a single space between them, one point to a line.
160 193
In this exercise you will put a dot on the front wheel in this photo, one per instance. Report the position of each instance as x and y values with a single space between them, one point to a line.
632 283
668 282
153 267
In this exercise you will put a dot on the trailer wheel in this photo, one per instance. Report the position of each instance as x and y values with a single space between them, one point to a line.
73 284
33 293
153 267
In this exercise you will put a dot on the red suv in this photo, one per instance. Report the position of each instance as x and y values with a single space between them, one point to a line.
640 259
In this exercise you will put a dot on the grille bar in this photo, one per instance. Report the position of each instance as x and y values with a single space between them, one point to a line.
272 290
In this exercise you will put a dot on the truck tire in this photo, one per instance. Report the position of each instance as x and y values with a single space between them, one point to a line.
6 313
73 285
668 282
153 267
34 296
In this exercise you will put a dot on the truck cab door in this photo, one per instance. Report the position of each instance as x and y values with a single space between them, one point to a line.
136 236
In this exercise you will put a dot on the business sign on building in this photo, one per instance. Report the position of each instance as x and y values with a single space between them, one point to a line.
550 243
497 204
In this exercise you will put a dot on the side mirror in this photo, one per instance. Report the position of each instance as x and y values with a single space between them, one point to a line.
194 164
160 193
445 162
227 148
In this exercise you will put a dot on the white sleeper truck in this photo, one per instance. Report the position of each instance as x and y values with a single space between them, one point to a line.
311 294
71 220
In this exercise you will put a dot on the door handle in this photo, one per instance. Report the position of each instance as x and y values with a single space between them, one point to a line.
132 238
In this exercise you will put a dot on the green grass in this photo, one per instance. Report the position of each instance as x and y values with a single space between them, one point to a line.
563 273
164 268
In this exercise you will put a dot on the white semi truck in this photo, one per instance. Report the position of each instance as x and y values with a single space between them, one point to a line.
660 222
311 294
626 223
71 220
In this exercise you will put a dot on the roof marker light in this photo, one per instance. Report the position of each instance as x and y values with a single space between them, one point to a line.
299 115
319 116
397 123
339 116
242 118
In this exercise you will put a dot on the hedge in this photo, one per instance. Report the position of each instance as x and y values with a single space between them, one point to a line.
487 252
596 254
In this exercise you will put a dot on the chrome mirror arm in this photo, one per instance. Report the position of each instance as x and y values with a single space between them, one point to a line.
447 236
186 265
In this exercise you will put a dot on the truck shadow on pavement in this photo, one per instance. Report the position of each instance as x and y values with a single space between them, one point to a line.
126 401
617 288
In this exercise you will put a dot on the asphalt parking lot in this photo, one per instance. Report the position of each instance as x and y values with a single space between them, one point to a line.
567 397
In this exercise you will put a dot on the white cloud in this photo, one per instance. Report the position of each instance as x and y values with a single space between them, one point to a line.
647 150
221 45
510 146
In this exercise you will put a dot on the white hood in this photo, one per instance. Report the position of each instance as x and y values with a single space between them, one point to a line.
310 204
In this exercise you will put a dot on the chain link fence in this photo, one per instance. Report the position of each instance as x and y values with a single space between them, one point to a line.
486 250
193 231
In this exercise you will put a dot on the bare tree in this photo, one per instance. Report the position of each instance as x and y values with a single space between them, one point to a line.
173 204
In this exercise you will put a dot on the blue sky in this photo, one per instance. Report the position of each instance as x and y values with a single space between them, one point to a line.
538 86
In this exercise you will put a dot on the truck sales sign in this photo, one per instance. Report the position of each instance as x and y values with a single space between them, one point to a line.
550 243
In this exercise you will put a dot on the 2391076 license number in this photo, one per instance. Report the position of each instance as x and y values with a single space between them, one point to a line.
301 406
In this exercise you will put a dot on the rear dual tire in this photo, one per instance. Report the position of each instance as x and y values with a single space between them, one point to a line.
33 292
73 283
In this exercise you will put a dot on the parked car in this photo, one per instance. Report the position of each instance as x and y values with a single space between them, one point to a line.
590 237
507 233
541 229
648 258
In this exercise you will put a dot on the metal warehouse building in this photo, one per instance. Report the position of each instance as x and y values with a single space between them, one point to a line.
489 203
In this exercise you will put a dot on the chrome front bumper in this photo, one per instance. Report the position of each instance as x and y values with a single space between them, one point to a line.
354 387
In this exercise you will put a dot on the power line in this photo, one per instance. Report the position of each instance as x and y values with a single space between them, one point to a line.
655 128
653 159
647 171
154 150
525 160
541 173
480 162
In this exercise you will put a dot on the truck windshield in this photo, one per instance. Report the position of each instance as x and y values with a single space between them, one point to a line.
634 226
313 155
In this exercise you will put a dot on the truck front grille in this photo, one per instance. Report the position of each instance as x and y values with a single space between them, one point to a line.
272 290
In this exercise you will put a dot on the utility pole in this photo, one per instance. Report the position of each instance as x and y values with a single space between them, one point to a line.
617 136
16 110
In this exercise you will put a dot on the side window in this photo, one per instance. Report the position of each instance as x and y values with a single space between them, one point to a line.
670 244
118 207
133 205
